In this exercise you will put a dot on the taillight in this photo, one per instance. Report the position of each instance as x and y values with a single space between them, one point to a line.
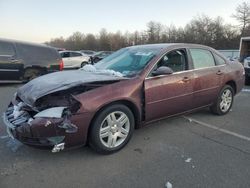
61 65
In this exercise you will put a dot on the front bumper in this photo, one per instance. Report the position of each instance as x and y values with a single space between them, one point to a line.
25 136
47 132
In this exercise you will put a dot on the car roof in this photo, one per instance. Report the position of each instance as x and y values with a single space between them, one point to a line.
70 51
168 45
25 42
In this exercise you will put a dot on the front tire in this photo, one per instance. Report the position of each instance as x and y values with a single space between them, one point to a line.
30 74
224 101
111 129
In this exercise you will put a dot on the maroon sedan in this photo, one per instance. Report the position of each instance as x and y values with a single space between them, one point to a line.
103 104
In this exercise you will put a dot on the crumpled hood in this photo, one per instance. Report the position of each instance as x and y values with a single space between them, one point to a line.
58 81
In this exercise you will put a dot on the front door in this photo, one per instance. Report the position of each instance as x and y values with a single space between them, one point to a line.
11 68
166 95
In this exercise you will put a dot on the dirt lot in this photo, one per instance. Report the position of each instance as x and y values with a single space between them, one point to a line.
196 150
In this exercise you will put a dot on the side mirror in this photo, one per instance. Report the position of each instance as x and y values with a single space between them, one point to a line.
162 71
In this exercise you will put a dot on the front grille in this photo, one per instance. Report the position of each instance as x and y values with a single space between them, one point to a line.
16 116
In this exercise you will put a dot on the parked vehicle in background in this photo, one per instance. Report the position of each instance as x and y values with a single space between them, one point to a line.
89 53
247 69
100 55
102 104
231 55
22 61
245 56
74 59
60 49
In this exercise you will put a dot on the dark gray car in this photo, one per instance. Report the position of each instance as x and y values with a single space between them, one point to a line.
24 61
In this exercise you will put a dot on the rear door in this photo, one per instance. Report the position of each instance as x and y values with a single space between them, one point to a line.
66 59
11 68
76 59
171 94
207 77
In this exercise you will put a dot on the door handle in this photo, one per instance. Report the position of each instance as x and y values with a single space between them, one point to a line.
13 61
219 72
186 79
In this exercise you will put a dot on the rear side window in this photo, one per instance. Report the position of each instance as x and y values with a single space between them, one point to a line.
75 54
219 60
37 53
64 54
7 49
202 58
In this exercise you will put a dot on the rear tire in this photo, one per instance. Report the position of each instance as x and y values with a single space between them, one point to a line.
111 129
83 64
30 74
224 101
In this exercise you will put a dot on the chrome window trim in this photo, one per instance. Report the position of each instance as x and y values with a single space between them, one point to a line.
180 72
157 61
12 70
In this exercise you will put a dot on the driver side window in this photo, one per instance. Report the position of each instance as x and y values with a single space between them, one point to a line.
175 60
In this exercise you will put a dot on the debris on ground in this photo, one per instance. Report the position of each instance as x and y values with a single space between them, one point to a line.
168 185
188 160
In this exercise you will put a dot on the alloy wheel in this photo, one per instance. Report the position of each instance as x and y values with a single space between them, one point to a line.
226 100
114 129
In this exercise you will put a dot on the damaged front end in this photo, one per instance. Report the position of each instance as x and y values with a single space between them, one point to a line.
46 111
52 122
46 128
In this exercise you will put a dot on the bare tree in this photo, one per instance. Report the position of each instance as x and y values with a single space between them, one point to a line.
242 15
154 30
201 29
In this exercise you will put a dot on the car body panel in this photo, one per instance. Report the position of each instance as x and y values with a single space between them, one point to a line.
168 95
24 56
54 82
10 68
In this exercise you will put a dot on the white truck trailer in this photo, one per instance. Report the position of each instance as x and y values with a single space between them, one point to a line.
245 56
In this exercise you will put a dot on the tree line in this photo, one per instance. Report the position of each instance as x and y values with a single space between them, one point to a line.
202 29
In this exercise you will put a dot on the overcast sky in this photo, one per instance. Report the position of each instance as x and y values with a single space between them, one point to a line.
39 21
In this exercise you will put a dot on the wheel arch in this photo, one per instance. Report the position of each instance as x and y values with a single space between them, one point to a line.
233 85
125 102
37 67
34 67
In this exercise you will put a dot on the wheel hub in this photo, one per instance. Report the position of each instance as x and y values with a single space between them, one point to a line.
114 128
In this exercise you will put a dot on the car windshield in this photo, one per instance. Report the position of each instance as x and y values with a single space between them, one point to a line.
128 61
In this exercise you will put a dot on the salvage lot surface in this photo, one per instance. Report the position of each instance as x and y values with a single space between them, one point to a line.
182 152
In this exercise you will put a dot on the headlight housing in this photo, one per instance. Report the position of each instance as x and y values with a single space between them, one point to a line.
55 112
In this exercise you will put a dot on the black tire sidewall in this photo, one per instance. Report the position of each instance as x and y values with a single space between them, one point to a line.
95 141
32 73
83 64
